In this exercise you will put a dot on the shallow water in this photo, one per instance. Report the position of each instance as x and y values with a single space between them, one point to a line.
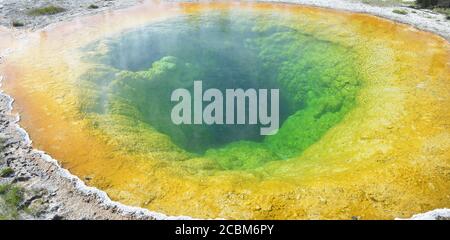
365 131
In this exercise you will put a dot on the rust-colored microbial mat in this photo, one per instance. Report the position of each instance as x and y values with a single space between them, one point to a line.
366 124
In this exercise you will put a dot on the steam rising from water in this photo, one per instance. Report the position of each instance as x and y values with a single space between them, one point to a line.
136 72
367 146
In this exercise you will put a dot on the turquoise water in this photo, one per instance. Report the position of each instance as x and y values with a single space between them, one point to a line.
134 78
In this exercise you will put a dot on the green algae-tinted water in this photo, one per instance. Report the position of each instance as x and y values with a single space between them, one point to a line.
127 93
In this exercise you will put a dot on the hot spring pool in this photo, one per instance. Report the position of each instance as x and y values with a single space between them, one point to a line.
131 83
364 120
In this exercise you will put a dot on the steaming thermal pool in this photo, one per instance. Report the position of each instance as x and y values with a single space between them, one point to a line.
364 120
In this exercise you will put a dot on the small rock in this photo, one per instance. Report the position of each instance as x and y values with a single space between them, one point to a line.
21 179
57 217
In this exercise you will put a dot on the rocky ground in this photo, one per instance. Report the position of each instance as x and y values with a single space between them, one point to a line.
19 12
33 186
